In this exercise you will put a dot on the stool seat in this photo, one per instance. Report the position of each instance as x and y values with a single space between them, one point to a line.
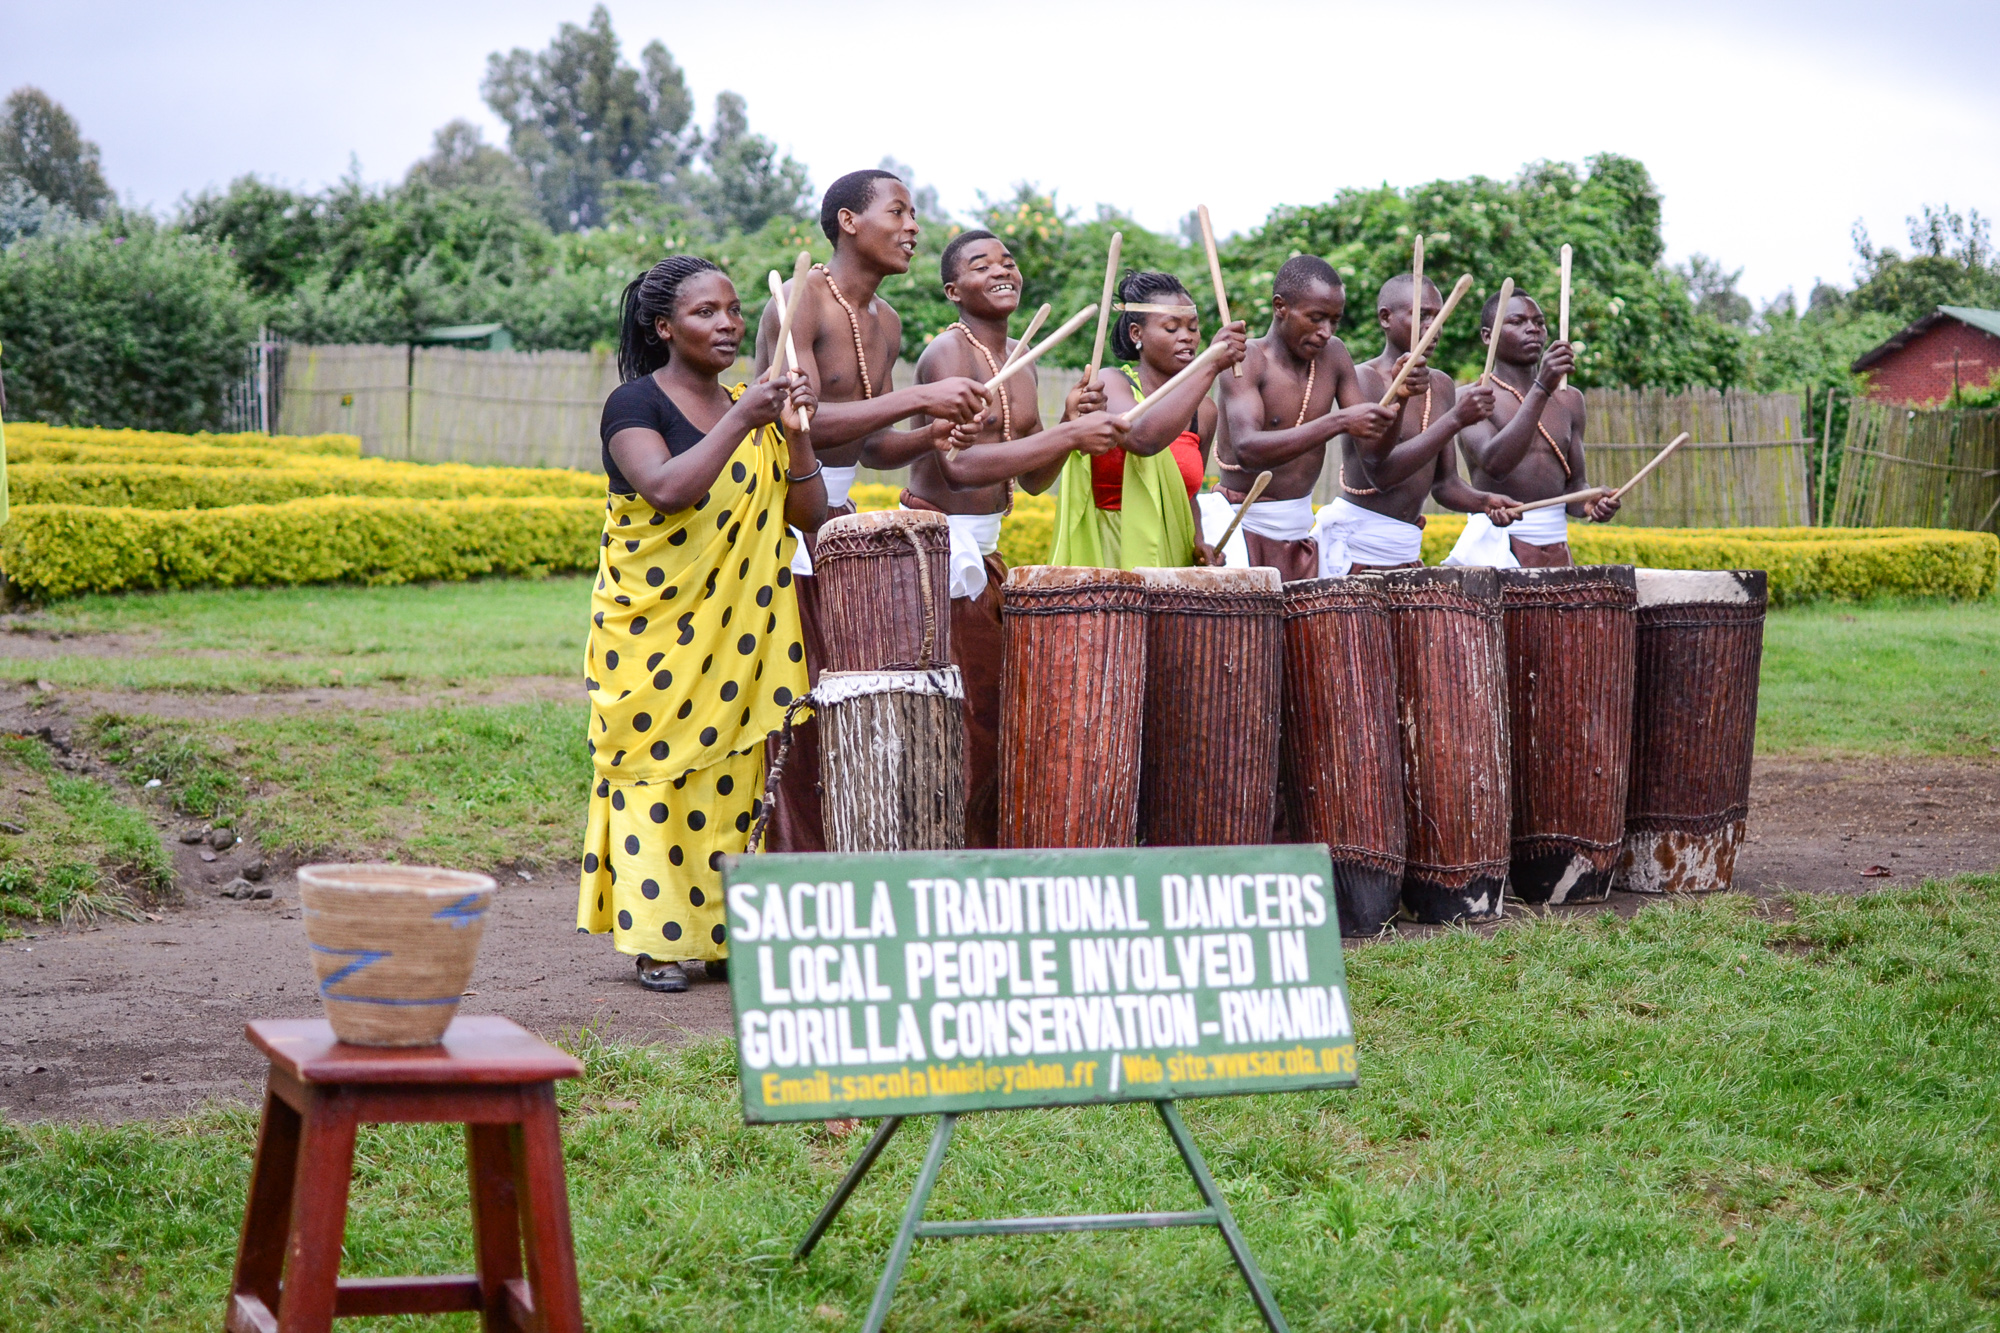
489 1074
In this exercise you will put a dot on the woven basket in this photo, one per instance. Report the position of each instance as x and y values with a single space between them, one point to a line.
393 947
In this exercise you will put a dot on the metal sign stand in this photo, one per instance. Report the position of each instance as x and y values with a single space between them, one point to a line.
1216 1215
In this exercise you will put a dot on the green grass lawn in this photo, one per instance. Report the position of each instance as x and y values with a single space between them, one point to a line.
1700 1118
273 638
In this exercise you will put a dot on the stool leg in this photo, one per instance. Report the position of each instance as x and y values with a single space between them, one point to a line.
267 1213
545 1227
319 1215
496 1220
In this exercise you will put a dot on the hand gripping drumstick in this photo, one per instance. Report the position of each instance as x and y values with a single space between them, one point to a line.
1026 359
1256 489
1458 292
1028 334
1593 492
1104 306
788 353
1562 319
1215 352
1215 275
1499 318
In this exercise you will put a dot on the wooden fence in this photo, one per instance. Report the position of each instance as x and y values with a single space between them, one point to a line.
1905 467
1745 468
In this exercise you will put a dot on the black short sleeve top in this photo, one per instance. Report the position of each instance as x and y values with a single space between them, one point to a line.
644 405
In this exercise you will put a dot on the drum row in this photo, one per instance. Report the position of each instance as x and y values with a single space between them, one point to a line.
1455 736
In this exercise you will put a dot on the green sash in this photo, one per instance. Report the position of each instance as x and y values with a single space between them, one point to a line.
1157 527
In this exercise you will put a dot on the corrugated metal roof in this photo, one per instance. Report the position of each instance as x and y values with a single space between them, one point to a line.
1986 321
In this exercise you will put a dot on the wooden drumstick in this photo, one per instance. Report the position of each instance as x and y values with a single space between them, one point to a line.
1214 352
1458 292
1215 275
1028 334
787 353
1587 493
1104 307
1417 290
1256 489
1024 360
1499 318
1562 317
1658 459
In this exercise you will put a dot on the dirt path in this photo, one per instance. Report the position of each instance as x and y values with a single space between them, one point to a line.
145 1020
28 708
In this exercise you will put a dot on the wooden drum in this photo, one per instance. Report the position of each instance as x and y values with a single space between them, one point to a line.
1694 723
1340 756
1208 768
1072 699
892 759
1569 701
1451 708
885 591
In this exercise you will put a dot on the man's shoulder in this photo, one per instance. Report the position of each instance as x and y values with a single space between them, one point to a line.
946 356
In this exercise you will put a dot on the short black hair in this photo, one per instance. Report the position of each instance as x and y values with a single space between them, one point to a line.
1300 273
1144 287
853 192
1382 297
948 261
1492 306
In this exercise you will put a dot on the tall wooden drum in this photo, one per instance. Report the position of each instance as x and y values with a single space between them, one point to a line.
1208 768
892 759
1694 725
1340 756
1569 700
1451 708
1072 700
885 591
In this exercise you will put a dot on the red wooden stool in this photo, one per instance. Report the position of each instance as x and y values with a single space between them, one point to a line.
495 1078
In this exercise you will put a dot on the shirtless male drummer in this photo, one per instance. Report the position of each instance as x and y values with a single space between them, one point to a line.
1531 447
1298 391
847 338
1376 522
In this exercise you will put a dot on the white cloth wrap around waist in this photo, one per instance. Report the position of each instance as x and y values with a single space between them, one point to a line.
973 538
1483 544
1350 535
1280 520
839 481
837 687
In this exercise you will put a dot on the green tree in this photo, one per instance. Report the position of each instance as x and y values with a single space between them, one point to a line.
1951 262
41 145
126 324
277 237
579 117
746 184
460 157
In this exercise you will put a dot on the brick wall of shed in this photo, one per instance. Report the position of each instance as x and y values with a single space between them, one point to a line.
1921 372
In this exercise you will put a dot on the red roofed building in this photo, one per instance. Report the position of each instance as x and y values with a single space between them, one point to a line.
1953 347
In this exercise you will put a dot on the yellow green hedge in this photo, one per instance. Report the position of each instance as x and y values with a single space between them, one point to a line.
59 550
177 486
1804 563
35 433
1025 536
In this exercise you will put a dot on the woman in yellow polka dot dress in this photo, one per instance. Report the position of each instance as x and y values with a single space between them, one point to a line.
694 647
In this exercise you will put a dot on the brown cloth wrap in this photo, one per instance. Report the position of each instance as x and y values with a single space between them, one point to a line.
1553 556
975 651
796 823
1293 560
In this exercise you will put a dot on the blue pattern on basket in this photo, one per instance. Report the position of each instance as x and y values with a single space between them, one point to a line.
363 958
463 912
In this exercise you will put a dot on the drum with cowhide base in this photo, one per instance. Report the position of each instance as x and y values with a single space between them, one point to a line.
1694 727
1208 768
1072 703
1569 700
892 759
1341 760
1451 711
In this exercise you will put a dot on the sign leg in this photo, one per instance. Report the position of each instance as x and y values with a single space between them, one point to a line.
1239 1248
883 1133
899 1254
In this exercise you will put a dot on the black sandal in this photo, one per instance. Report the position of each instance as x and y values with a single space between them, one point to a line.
717 969
654 975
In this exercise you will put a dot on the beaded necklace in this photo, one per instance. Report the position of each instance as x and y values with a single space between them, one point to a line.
1523 400
1423 425
992 369
1312 369
854 327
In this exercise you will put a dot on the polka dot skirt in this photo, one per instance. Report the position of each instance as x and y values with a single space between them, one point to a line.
694 653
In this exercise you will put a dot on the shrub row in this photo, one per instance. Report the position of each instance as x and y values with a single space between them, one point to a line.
177 486
1025 536
57 550
35 432
1846 564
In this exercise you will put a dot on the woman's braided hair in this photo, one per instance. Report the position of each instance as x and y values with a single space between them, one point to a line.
1142 288
650 297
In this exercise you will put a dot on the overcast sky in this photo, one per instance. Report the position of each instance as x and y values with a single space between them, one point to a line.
1769 126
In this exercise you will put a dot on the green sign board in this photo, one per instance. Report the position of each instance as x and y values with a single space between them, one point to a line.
902 983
